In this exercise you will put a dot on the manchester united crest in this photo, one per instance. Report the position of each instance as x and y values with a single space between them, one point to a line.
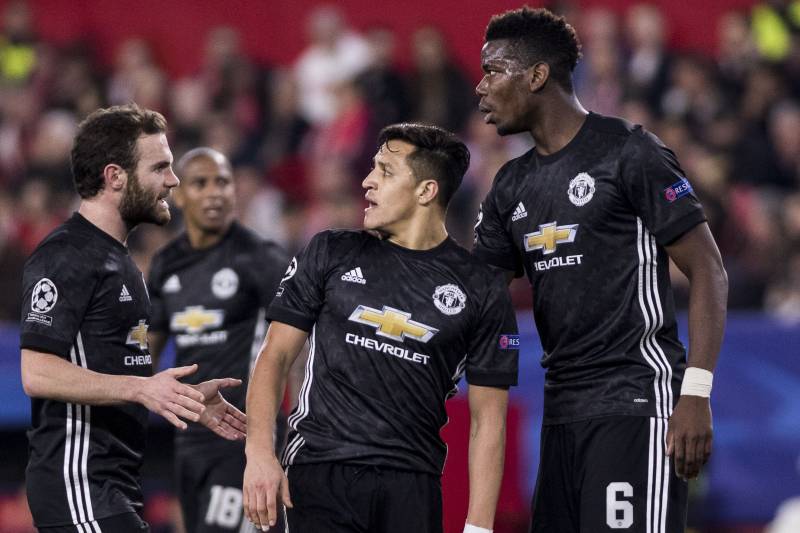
449 299
581 189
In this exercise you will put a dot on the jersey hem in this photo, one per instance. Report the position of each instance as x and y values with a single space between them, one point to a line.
86 522
568 420
498 260
290 317
673 232
502 381
41 343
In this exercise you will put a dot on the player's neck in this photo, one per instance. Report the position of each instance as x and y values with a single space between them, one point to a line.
105 217
558 123
420 233
200 239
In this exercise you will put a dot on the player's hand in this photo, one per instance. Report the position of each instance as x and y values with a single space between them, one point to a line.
163 394
220 416
264 480
689 435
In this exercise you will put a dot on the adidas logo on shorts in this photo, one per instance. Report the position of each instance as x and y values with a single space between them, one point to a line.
354 276
519 212
124 295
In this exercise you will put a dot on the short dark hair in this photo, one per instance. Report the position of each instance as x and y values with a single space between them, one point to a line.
439 154
109 136
539 35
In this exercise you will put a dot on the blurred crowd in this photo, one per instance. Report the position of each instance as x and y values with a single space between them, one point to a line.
301 136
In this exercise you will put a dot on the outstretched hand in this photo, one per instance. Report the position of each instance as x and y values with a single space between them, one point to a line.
689 435
164 395
220 416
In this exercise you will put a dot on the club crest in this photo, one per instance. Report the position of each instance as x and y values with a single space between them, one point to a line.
581 189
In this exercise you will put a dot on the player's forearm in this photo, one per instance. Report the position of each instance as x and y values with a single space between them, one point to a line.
48 376
264 395
708 297
486 457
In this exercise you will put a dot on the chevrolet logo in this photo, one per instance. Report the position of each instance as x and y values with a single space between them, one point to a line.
195 319
393 323
138 335
549 236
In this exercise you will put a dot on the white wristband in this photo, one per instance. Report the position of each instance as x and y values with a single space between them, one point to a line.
469 528
697 382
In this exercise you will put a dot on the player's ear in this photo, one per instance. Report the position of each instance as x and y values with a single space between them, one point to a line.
538 76
114 177
427 191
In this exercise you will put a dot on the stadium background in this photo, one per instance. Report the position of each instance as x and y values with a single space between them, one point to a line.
718 80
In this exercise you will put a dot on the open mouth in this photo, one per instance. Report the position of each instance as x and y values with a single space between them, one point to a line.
487 113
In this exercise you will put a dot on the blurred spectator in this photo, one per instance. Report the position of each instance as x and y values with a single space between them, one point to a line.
334 56
599 79
649 60
136 78
235 83
774 24
345 137
18 44
736 52
258 205
189 106
12 259
439 91
381 84
49 150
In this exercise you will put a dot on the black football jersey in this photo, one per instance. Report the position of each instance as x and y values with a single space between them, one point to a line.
588 225
213 302
85 301
392 330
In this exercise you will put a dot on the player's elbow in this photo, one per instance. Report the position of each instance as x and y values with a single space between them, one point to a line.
31 384
33 381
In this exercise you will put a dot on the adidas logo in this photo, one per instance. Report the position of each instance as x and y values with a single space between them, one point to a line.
519 213
124 295
355 276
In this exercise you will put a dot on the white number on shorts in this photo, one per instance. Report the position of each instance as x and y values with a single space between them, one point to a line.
225 507
615 508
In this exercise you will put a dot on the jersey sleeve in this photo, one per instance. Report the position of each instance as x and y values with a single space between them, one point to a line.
657 188
301 292
56 288
493 243
493 355
273 259
155 281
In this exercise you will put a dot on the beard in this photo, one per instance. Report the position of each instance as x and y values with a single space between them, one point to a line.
140 205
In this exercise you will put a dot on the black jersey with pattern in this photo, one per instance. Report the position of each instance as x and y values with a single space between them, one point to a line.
213 302
588 225
85 301
392 331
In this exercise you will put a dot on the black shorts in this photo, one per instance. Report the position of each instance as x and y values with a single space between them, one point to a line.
210 488
342 498
607 475
121 523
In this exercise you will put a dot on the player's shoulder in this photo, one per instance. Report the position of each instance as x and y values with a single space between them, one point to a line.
340 239
514 169
635 137
69 240
171 252
475 268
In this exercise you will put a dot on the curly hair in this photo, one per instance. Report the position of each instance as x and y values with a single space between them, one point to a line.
539 35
